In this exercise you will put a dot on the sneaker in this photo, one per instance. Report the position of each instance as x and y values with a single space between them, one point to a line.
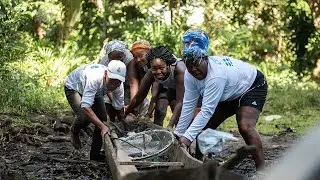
75 140
98 157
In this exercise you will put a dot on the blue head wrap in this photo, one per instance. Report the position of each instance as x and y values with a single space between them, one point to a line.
196 44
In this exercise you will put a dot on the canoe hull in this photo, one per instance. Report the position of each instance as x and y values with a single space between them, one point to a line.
115 155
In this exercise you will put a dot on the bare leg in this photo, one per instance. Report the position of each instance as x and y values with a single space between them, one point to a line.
247 117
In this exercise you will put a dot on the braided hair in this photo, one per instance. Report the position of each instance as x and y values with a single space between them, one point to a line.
163 53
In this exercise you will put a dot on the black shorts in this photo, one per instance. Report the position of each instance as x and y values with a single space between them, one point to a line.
167 93
254 97
170 95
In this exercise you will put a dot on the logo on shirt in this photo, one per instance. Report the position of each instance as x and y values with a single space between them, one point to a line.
254 103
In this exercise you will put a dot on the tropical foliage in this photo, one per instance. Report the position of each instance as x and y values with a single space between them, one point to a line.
42 41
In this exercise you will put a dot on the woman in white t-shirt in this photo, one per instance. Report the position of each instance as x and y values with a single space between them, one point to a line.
228 86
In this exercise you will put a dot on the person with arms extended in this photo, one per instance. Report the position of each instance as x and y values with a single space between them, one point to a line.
136 71
168 71
84 89
228 86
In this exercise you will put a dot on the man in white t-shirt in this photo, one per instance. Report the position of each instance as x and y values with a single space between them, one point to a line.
84 89
228 86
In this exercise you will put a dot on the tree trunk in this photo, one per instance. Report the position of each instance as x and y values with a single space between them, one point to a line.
72 12
208 19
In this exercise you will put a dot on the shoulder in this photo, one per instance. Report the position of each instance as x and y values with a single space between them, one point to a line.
149 73
131 65
95 71
129 57
216 67
180 67
104 60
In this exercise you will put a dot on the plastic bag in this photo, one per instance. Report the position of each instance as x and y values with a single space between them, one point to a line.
211 141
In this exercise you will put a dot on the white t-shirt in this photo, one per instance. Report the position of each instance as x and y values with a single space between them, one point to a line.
88 81
226 80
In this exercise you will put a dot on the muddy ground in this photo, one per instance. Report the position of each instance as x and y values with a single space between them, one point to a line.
41 149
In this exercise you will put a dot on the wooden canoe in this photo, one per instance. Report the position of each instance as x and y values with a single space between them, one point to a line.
180 162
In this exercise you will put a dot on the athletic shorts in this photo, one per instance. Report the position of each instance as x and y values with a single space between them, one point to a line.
170 95
254 97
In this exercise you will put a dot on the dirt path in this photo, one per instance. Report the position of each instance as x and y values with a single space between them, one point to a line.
41 149
274 147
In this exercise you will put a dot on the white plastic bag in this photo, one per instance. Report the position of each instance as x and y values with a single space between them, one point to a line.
211 141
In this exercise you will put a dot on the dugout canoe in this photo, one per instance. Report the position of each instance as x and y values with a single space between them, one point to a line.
179 162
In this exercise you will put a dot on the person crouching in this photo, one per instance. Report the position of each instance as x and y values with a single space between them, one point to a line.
84 89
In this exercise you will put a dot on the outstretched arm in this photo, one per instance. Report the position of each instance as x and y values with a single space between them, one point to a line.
211 97
146 82
180 69
133 79
154 96
88 112
190 99
87 101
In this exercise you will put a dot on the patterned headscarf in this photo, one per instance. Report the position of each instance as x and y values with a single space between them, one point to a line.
196 43
115 45
140 45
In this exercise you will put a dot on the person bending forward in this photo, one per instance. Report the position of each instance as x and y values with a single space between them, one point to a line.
228 86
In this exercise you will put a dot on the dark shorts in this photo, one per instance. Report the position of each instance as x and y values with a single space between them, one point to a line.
170 94
255 97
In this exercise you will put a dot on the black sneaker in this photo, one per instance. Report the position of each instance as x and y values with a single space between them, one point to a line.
98 157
